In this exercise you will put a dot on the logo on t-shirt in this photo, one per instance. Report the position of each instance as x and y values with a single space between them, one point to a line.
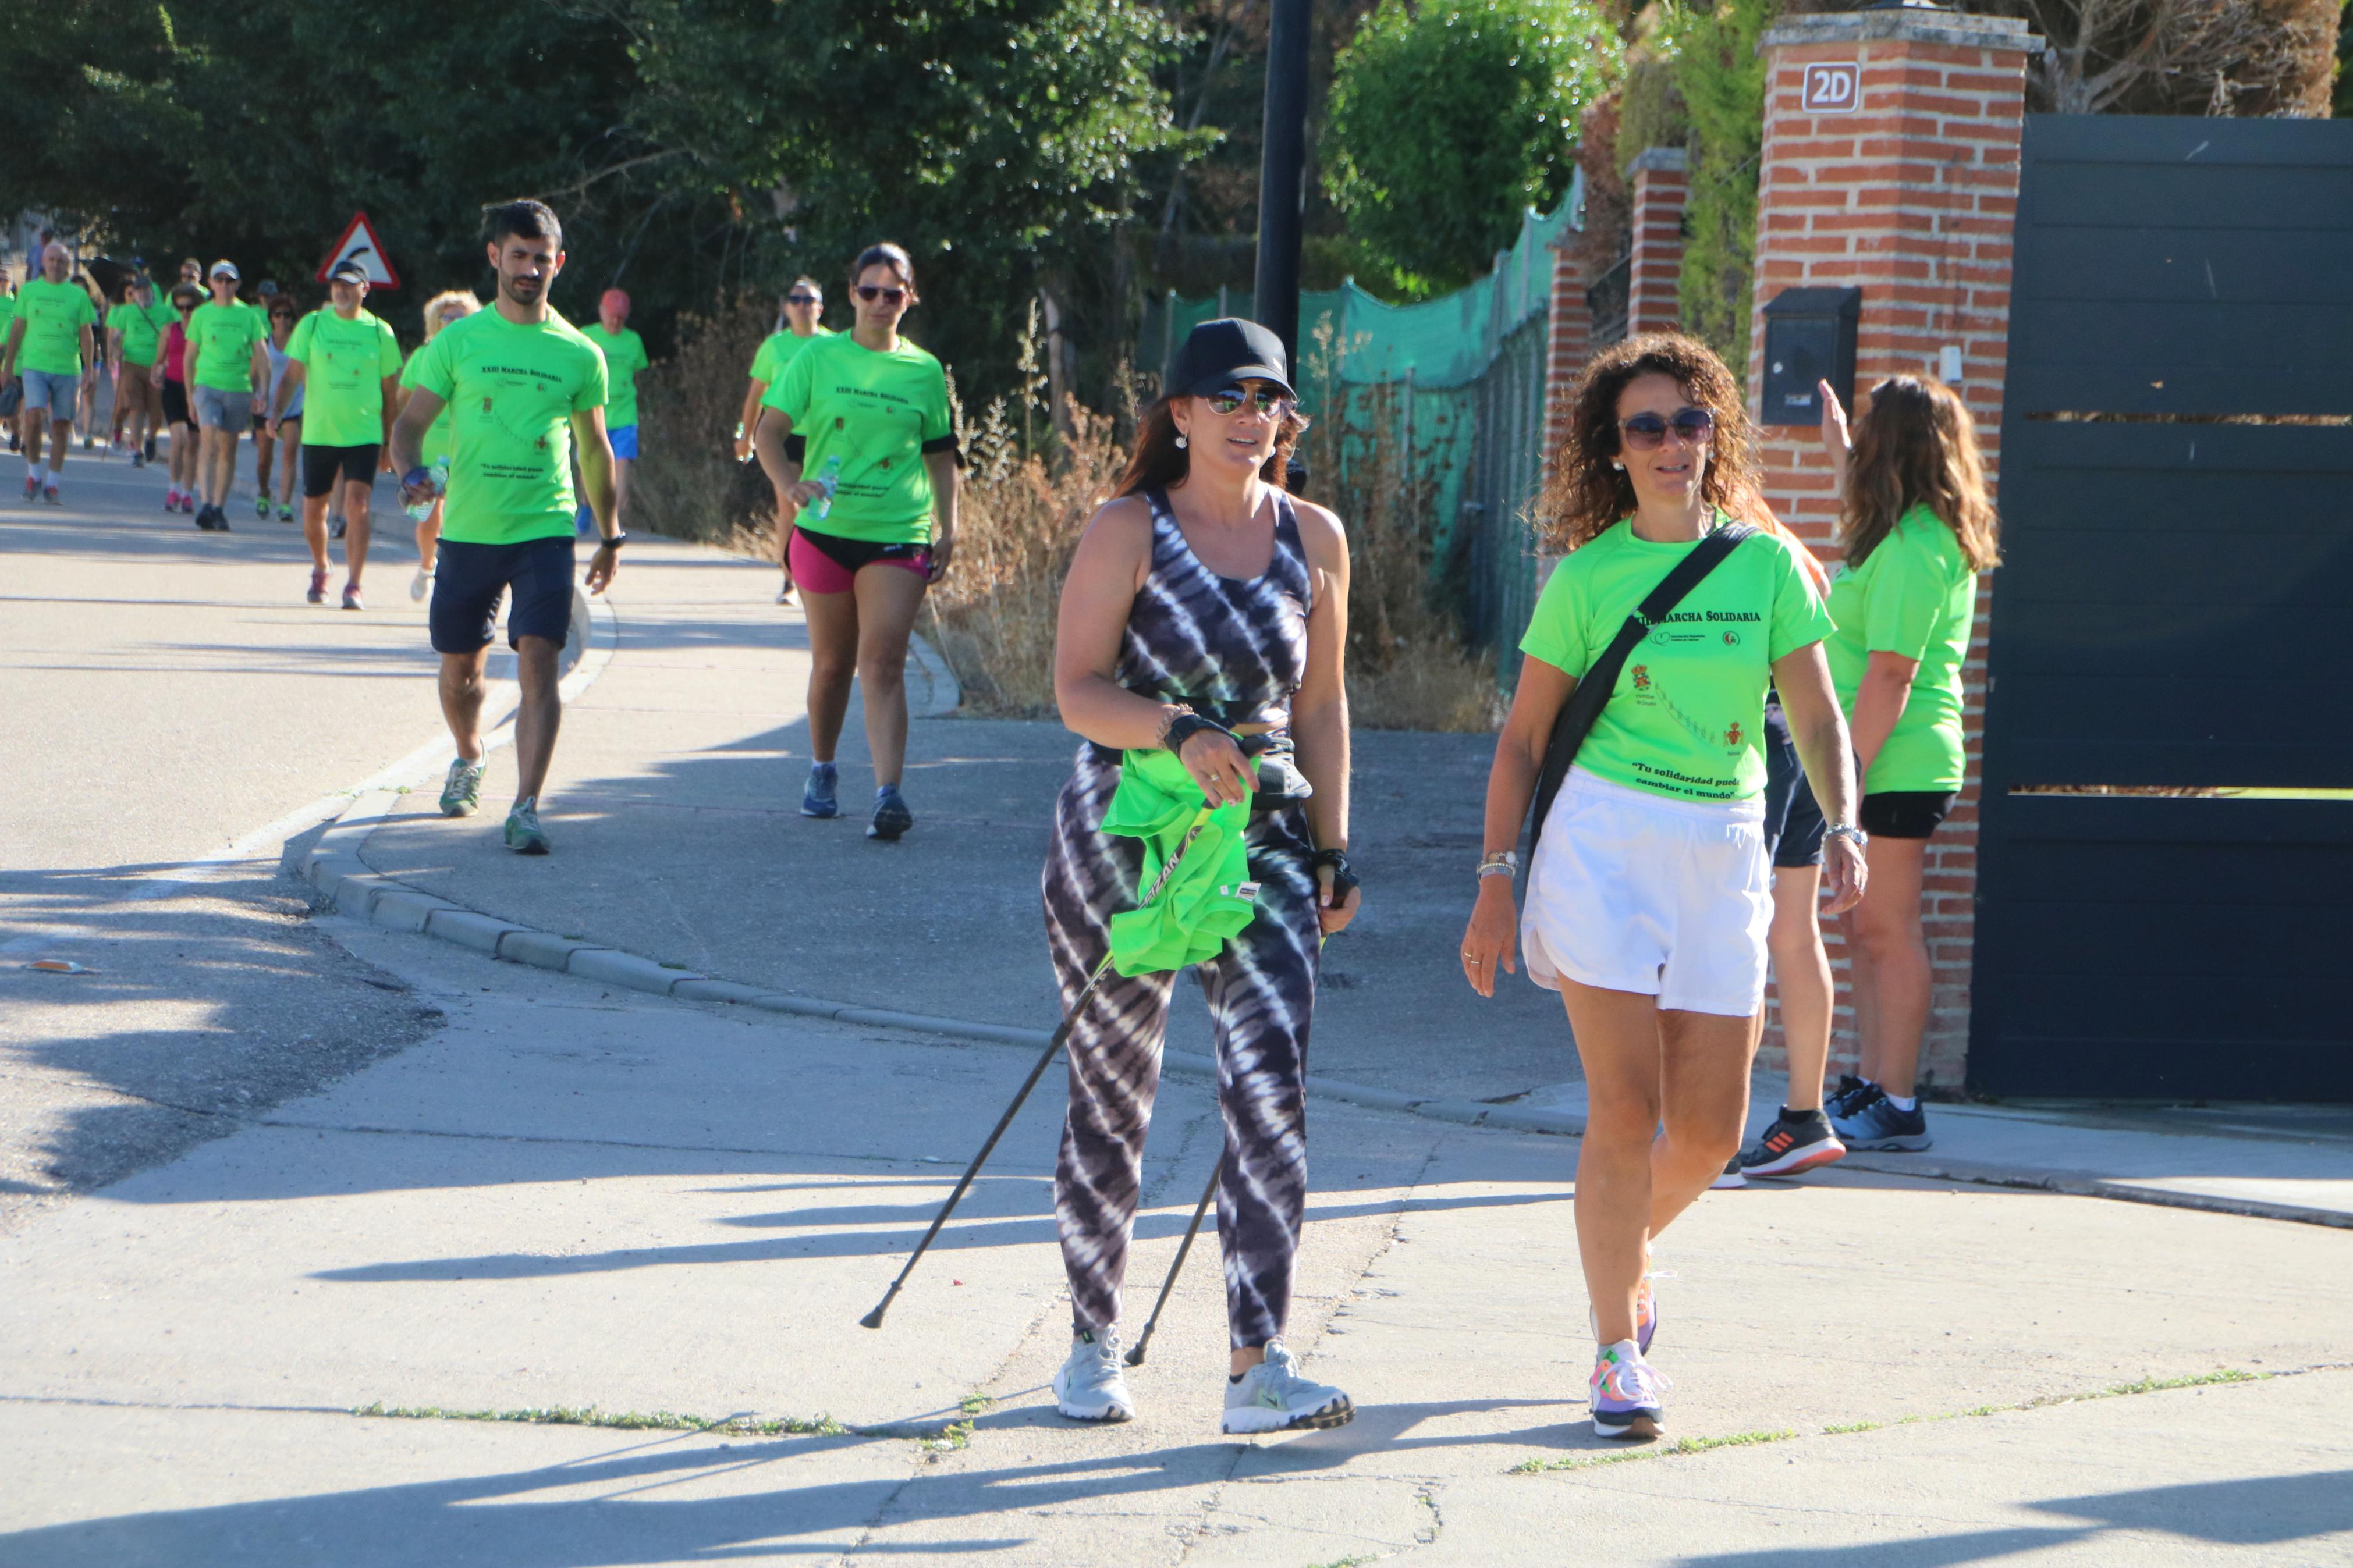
1641 678
1732 735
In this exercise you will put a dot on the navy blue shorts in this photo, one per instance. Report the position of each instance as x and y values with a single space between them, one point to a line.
471 579
1793 820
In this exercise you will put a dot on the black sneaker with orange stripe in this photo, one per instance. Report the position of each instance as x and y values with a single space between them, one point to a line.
1797 1141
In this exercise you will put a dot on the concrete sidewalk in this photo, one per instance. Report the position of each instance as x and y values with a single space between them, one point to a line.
675 812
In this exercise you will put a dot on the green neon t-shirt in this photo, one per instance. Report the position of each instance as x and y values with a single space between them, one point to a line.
222 338
625 355
778 353
141 333
878 412
343 367
54 315
513 388
1914 596
7 317
1687 715
436 435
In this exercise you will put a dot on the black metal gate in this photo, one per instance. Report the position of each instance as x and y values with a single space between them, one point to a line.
2175 614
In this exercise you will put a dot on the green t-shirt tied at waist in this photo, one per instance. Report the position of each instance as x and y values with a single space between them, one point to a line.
778 353
343 367
1686 717
1914 596
1209 898
53 315
512 389
436 435
879 412
221 339
141 333
625 356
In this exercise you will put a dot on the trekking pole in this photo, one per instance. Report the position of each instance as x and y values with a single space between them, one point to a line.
1136 1356
873 1320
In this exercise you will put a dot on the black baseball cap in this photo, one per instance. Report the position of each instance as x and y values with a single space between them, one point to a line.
1218 354
347 272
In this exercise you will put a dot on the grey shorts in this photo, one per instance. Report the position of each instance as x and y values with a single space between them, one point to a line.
219 410
56 392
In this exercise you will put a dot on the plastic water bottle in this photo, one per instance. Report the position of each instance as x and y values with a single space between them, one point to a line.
828 478
439 473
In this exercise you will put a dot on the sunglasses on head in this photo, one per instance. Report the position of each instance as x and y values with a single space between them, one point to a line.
1648 432
800 299
1266 399
870 292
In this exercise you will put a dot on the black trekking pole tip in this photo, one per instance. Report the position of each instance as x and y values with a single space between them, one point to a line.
873 1319
1136 1356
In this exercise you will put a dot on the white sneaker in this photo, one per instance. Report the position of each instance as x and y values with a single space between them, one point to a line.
420 585
1091 1384
1272 1397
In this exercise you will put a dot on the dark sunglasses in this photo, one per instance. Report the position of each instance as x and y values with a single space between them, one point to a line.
800 299
1266 399
870 292
1648 432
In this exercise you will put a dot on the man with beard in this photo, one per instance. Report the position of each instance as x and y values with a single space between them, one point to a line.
521 386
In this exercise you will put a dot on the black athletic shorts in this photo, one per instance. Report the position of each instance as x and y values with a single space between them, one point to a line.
854 555
1793 822
471 579
175 404
1904 813
322 465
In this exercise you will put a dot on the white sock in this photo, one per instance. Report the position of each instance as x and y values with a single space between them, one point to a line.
1907 1103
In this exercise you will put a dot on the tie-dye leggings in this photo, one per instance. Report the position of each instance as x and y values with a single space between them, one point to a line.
1261 994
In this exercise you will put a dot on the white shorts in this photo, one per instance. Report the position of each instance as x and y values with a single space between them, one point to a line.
1632 890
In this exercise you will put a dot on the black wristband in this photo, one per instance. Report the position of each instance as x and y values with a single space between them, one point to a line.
1185 726
1344 881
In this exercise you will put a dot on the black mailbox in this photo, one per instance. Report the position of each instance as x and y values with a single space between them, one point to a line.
1808 338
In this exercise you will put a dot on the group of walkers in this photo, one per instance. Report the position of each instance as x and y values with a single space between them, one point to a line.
1765 738
1721 740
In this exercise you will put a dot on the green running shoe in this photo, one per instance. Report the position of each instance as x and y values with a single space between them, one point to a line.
461 793
524 835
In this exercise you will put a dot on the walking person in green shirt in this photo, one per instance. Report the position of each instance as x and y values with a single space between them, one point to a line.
134 329
868 411
523 387
343 364
804 304
1915 527
51 348
1648 899
625 357
225 360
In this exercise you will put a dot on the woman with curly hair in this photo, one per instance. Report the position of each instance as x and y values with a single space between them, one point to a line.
1648 896
1916 529
441 310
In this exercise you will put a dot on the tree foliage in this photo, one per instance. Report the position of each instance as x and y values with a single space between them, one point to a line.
1448 119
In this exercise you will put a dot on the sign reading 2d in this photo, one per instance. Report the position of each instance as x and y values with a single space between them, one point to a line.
1832 88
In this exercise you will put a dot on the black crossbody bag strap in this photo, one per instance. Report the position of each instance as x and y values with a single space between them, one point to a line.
1593 688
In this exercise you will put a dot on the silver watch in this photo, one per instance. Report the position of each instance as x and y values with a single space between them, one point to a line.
1849 831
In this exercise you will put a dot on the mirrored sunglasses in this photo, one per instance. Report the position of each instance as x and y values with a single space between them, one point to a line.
1266 399
1648 432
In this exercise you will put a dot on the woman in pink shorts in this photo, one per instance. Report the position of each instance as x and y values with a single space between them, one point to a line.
858 441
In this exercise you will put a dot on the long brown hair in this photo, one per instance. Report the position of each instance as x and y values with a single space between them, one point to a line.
1584 494
1158 462
1916 446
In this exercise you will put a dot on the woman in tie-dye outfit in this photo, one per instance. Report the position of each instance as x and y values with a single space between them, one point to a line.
1206 612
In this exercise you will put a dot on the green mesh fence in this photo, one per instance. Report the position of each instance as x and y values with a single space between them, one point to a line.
1457 386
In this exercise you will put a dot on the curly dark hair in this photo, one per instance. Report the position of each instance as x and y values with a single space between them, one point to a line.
1583 494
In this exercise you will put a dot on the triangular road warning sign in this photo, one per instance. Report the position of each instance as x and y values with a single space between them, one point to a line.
359 244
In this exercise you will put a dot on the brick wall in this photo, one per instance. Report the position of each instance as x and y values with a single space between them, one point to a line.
1912 196
1571 328
1654 279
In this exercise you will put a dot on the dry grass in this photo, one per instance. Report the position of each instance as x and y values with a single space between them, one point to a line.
689 485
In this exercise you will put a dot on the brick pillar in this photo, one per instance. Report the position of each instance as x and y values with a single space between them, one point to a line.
1570 326
1890 163
1654 282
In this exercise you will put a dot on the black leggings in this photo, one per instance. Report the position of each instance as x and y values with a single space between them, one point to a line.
1261 994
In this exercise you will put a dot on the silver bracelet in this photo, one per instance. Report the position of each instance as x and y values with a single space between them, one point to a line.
1849 831
1502 863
